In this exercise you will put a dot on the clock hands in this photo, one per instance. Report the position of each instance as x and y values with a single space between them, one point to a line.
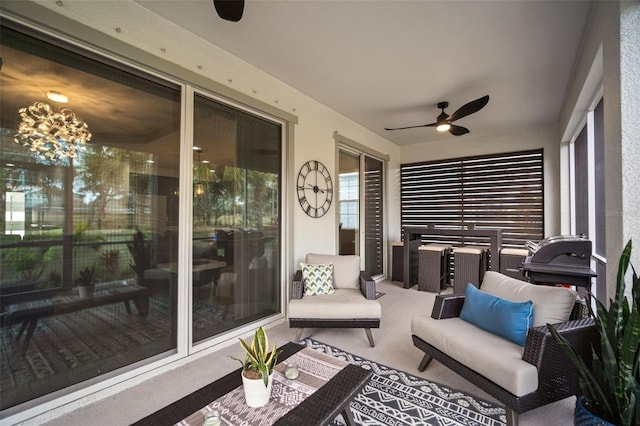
313 187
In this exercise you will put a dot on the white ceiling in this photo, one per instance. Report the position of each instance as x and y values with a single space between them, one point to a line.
387 63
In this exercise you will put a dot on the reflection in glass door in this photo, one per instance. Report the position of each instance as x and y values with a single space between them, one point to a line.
360 206
349 202
236 218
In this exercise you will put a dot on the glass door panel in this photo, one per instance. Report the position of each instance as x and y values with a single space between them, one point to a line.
84 219
236 218
349 202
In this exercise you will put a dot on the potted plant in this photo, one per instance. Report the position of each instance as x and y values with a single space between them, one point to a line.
85 282
141 253
610 382
257 368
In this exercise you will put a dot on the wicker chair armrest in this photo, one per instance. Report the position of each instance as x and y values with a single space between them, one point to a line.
447 306
367 286
542 351
580 310
297 286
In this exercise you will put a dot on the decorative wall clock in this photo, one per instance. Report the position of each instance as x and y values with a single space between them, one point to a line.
315 189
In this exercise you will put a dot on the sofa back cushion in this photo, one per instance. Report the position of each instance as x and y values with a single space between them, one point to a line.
551 304
346 269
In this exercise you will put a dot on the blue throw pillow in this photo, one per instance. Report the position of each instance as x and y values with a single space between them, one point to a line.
496 315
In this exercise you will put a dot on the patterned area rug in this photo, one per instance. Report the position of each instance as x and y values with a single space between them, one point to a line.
394 397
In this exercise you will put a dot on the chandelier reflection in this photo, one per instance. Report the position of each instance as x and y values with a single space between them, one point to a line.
52 134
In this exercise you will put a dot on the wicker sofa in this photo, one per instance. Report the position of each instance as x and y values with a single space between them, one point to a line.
352 305
521 377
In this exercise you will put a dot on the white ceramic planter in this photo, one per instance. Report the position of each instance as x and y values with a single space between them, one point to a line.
255 392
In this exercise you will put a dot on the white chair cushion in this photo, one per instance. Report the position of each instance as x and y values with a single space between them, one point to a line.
494 357
346 269
342 304
550 304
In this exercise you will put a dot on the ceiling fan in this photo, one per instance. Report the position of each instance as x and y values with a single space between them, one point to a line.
229 10
444 122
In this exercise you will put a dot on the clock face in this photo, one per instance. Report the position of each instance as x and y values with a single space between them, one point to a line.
315 190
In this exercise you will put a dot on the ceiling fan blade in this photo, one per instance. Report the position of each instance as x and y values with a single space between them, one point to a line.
411 127
229 10
470 108
458 130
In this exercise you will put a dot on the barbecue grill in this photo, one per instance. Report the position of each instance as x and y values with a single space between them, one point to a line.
562 259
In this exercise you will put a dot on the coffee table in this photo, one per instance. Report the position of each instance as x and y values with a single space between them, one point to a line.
320 408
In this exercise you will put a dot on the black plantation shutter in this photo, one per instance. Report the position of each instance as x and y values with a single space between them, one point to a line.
493 191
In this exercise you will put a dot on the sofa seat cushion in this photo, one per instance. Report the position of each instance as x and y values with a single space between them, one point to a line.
342 304
551 304
494 357
346 269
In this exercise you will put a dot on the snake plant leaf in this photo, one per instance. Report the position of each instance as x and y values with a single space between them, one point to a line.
630 343
250 352
260 340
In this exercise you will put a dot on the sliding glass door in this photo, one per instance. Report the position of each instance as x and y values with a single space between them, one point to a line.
360 206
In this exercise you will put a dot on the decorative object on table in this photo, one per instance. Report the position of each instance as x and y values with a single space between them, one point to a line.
292 371
395 394
141 253
212 418
85 282
257 368
609 378
315 189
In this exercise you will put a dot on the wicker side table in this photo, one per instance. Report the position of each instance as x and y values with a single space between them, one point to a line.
433 267
511 260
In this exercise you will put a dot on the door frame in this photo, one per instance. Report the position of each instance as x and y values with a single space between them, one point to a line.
346 144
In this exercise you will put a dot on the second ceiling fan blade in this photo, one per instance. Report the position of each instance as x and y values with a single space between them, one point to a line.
458 130
470 108
411 127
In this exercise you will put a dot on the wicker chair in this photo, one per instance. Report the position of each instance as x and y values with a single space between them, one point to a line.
557 379
353 305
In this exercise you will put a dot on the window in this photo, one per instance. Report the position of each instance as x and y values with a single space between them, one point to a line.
494 191
588 207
